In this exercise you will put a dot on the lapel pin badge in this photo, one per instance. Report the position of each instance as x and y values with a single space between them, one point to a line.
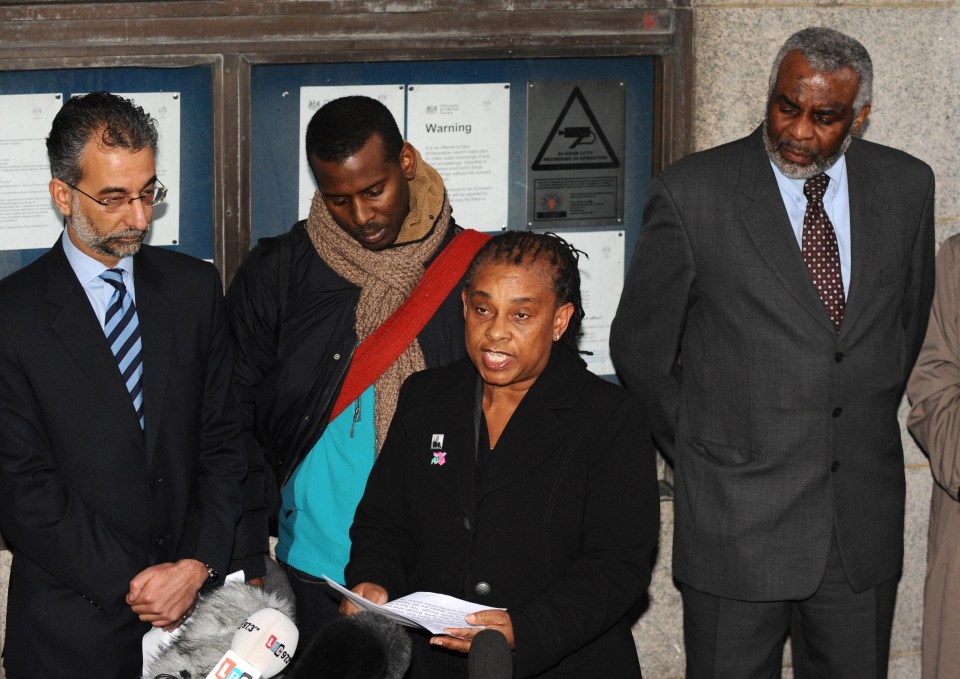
436 442
439 458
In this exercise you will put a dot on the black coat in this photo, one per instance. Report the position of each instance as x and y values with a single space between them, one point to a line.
561 525
287 375
291 357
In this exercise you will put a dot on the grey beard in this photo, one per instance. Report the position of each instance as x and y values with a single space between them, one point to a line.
817 164
109 246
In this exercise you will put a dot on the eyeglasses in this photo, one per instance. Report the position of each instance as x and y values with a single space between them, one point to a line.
149 198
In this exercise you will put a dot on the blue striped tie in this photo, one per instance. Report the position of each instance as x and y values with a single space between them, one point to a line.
123 333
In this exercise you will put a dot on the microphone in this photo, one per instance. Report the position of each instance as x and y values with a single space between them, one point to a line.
362 646
261 648
490 656
198 645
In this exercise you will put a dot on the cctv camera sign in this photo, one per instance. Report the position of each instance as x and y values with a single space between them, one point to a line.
575 150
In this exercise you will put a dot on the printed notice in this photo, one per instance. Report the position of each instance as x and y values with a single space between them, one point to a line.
28 217
432 612
164 107
463 131
601 282
312 98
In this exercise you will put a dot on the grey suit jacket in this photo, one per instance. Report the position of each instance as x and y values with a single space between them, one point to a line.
781 431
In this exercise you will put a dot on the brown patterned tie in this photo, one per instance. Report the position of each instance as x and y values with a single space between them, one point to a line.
820 250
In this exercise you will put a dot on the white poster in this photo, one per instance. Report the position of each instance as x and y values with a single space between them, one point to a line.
28 217
312 98
463 131
601 282
165 108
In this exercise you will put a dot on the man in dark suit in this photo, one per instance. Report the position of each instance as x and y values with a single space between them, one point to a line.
120 453
770 327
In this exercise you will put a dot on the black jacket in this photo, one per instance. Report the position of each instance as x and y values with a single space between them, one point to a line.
291 358
560 527
88 499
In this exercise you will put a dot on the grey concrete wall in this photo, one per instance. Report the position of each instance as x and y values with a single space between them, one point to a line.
916 56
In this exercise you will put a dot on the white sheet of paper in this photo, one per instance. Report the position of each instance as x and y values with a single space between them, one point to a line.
312 98
28 217
165 108
433 612
601 282
463 131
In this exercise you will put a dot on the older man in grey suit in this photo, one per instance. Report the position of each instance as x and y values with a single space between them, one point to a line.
775 304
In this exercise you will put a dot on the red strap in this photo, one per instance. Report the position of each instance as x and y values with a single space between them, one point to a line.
378 352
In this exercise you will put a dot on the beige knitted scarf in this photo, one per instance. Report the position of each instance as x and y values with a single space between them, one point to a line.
386 278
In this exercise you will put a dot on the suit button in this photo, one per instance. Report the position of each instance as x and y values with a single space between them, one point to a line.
483 588
837 412
838 357
835 466
160 540
155 483
466 523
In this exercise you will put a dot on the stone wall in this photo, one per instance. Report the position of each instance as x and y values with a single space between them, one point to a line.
916 56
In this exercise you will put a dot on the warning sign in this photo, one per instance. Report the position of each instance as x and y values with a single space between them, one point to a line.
576 150
576 141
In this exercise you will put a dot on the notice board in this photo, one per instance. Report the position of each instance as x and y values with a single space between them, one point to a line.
276 143
194 190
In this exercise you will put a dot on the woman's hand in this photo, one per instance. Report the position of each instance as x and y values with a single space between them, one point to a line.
369 591
489 619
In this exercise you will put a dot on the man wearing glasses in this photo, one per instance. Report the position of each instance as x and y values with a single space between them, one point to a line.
120 452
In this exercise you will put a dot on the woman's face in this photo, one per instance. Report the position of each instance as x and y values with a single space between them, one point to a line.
512 318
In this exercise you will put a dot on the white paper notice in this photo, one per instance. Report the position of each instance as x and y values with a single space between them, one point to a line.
433 612
165 108
463 131
601 282
312 98
28 217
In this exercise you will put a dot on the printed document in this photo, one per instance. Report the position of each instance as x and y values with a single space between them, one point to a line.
427 610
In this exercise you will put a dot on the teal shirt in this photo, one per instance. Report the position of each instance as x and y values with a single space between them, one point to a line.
321 497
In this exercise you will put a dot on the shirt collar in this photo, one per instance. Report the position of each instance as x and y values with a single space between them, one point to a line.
794 187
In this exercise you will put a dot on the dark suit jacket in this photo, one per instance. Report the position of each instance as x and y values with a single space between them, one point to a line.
781 431
562 523
87 499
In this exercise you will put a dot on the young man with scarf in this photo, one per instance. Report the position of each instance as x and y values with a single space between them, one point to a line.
328 321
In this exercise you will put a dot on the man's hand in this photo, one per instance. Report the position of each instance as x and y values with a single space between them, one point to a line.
369 591
489 619
164 594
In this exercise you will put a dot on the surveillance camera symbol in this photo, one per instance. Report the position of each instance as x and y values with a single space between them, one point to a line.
580 135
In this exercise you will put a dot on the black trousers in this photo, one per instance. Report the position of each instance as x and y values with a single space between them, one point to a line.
318 604
836 633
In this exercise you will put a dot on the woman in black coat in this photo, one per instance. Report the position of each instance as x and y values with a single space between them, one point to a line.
516 479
